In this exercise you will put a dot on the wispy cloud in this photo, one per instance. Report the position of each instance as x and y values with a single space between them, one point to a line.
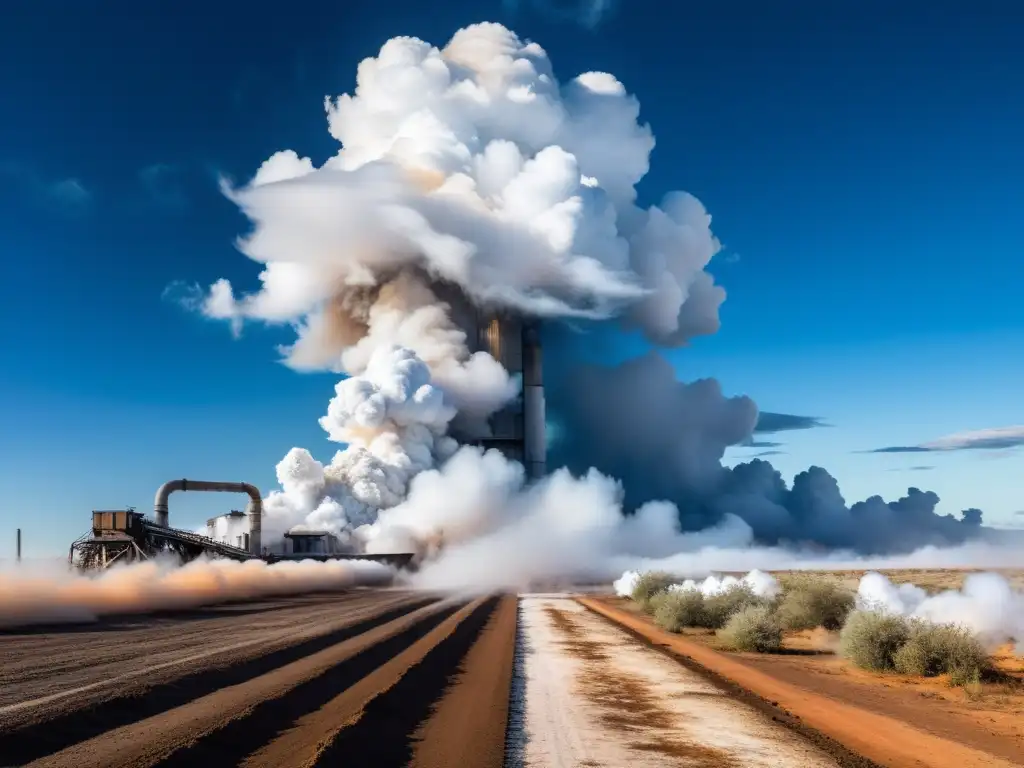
768 453
768 422
918 468
761 444
185 294
191 297
162 183
69 192
588 13
998 439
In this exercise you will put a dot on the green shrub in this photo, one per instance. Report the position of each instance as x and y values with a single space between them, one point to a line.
718 609
871 639
754 628
678 608
648 585
812 601
937 649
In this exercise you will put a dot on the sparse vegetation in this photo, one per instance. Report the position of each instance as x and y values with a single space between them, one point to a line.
678 608
882 642
871 639
937 649
648 585
718 609
812 601
754 628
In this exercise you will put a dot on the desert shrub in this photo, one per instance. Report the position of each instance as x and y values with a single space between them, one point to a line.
754 628
812 601
678 608
871 639
648 585
937 649
718 609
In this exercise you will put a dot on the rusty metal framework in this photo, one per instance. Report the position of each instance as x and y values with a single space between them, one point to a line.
125 536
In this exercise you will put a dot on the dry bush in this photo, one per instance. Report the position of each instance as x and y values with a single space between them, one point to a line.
678 608
648 585
812 601
938 649
718 609
871 639
754 628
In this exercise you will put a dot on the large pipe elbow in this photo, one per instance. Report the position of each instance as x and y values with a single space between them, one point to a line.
163 494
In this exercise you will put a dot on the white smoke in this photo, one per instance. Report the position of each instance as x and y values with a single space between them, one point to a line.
472 166
52 595
626 583
468 165
987 604
760 583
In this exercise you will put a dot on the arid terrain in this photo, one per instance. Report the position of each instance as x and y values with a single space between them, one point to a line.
365 678
929 579
892 719
393 678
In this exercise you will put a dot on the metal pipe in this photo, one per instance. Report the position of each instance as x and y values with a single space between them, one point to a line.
18 547
160 511
534 438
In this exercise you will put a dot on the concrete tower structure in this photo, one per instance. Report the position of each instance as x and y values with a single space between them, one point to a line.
518 429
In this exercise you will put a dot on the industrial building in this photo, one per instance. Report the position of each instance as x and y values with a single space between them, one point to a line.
517 431
302 542
232 528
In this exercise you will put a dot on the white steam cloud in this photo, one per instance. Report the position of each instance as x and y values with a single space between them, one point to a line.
471 170
468 168
34 596
760 583
987 605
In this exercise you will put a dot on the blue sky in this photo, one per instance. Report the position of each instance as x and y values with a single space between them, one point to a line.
862 167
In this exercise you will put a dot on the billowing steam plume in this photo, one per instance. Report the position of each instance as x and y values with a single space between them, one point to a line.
468 166
471 168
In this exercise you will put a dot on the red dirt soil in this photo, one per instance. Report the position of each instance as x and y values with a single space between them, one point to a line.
890 726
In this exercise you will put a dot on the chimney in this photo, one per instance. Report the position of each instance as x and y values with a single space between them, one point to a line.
535 441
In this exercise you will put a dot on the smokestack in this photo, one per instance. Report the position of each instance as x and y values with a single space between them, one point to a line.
17 548
161 516
534 438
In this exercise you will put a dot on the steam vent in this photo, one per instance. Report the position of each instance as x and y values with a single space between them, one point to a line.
518 429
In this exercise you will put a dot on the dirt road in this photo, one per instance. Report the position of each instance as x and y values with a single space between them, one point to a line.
864 732
595 696
382 678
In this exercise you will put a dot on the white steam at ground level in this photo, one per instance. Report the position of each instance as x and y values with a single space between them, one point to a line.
56 595
758 582
987 604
